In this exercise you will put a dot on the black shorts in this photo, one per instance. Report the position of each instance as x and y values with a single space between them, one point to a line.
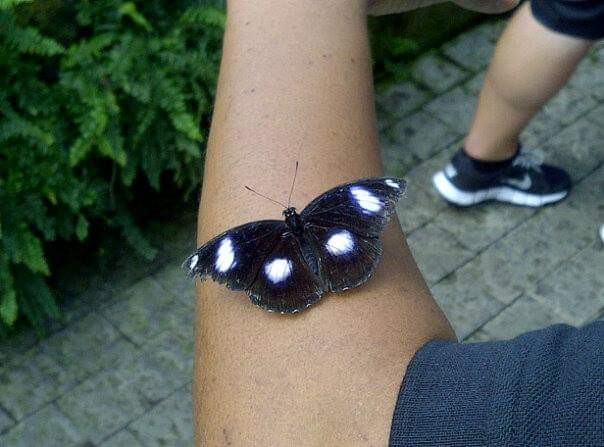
578 18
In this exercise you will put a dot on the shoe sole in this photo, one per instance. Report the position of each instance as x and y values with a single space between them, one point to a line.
501 194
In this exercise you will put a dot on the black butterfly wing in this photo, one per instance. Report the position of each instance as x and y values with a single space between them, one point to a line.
346 260
235 257
364 206
285 282
263 258
343 226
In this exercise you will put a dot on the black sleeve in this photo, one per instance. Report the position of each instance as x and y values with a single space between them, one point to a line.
542 388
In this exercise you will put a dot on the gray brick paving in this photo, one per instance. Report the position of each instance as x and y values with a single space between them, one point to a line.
467 305
102 405
148 310
465 224
117 371
47 427
395 159
11 349
534 243
589 76
587 195
5 421
572 290
122 438
421 175
436 252
597 115
167 424
471 50
172 279
565 108
523 315
436 73
578 148
422 136
474 85
492 29
88 345
455 108
401 99
30 381
419 207
164 365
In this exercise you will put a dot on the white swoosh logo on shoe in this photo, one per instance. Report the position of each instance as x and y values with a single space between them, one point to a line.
523 184
450 171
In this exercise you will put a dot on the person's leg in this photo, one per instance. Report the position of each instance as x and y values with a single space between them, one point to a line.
530 65
295 85
532 62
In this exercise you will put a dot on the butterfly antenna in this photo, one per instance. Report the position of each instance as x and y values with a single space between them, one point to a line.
262 195
293 183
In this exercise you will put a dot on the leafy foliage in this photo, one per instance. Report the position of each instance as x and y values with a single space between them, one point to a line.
95 95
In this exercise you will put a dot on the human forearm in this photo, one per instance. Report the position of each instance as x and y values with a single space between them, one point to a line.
295 85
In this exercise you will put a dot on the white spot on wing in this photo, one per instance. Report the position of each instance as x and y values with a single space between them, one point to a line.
225 256
193 262
340 243
366 200
278 270
392 183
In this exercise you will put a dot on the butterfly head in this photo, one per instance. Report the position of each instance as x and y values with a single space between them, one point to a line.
289 212
293 220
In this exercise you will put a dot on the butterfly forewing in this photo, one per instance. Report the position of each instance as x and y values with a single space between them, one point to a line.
363 206
285 282
235 257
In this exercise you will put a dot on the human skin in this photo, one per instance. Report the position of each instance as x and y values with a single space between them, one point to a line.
295 85
530 65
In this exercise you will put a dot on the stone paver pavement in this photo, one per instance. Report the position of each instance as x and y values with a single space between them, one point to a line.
118 372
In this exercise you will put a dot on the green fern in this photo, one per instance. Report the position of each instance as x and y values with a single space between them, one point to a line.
9 4
114 92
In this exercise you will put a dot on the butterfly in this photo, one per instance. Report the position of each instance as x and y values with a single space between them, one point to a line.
287 265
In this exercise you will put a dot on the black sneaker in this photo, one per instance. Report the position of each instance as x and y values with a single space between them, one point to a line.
525 180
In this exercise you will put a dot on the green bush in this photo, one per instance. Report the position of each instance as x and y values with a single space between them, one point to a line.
94 95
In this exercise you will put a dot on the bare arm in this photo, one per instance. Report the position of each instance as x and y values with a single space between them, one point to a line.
295 84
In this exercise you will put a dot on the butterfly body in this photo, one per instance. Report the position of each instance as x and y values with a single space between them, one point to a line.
293 221
285 266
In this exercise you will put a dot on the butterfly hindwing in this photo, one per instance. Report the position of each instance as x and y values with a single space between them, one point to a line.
235 257
263 258
285 282
364 206
346 259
